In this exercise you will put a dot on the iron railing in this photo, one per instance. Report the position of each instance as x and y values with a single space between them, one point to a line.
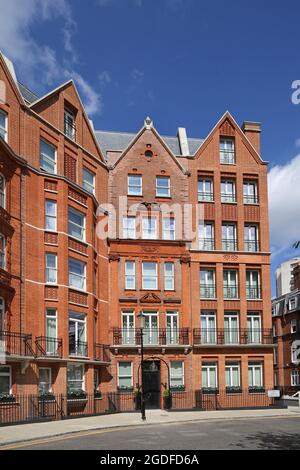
101 352
250 199
78 348
216 336
231 292
228 197
205 196
253 293
48 347
251 245
207 244
151 336
208 291
16 409
229 244
16 344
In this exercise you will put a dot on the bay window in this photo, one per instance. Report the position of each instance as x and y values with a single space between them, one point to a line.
76 224
50 215
77 274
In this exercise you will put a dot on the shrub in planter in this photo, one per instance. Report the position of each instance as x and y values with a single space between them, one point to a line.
138 399
7 398
76 395
97 394
46 396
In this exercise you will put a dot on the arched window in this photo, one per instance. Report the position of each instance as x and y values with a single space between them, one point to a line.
2 191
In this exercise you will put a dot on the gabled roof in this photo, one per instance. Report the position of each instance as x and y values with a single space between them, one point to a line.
27 94
119 141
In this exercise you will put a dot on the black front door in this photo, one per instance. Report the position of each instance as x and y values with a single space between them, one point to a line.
151 384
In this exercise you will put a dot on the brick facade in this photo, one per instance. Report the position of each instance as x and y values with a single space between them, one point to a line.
105 297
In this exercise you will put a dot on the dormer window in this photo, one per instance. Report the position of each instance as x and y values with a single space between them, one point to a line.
69 124
227 152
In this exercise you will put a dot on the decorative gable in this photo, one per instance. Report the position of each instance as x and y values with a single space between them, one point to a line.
150 298
227 129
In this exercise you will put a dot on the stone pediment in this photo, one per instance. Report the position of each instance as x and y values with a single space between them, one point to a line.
150 298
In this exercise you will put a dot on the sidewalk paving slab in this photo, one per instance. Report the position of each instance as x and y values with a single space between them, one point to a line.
43 430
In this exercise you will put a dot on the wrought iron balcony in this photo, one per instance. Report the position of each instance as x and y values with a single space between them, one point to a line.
250 199
205 196
228 197
231 337
231 292
151 336
101 352
206 244
229 244
78 348
16 344
251 245
208 291
48 347
253 293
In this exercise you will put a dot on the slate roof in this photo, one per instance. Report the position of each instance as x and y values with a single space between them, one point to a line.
27 94
119 141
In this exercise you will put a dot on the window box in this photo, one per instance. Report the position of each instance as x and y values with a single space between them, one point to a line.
256 390
125 389
76 395
167 399
233 390
177 388
47 396
7 398
210 391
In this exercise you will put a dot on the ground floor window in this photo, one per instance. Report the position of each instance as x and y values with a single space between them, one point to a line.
232 376
209 376
177 375
125 378
75 378
97 381
295 378
255 376
45 381
5 380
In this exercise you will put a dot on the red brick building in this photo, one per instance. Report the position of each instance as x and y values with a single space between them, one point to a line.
190 262
286 331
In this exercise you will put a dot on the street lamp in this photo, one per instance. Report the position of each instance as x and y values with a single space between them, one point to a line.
143 407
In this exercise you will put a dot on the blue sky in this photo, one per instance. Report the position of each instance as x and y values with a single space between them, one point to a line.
183 62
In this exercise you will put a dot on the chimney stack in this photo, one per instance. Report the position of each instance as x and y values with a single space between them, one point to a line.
183 141
252 132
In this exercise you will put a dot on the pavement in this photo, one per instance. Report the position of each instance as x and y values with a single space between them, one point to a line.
37 431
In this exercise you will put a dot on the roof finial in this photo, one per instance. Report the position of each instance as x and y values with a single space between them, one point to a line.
148 122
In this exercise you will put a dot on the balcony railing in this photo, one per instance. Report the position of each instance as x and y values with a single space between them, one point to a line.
228 197
101 352
231 292
206 244
227 157
205 196
48 347
251 245
151 336
253 293
250 199
208 291
210 337
16 344
229 244
78 348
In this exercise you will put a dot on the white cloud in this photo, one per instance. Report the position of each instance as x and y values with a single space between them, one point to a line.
284 205
137 75
104 78
37 64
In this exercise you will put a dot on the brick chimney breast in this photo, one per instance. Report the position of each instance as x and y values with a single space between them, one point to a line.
252 131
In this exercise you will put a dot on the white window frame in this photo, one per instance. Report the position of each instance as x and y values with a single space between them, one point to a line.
127 284
248 239
48 268
227 155
81 227
233 334
128 331
4 130
252 367
3 192
50 216
290 303
207 194
229 244
162 188
73 365
249 198
229 193
149 277
209 367
149 233
231 368
47 158
51 313
172 326
69 127
125 376
294 326
135 189
181 377
253 284
251 317
169 233
50 378
127 229
83 276
169 277
205 286
7 374
295 378
78 321
206 236
208 335
86 184
227 273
